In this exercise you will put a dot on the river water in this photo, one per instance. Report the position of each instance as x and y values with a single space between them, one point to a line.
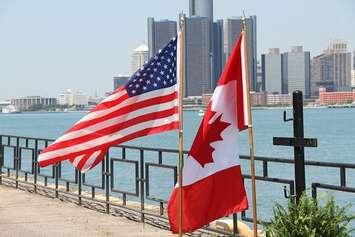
334 129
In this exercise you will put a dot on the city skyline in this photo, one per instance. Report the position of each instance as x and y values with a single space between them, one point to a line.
83 44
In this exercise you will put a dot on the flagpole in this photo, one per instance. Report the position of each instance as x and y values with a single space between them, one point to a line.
181 40
250 129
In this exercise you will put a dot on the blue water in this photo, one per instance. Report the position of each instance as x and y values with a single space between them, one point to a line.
334 129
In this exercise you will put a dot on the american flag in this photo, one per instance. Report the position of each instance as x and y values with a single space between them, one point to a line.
146 104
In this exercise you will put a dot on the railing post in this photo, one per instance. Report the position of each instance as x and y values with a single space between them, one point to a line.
142 183
107 174
1 159
56 175
235 224
314 190
36 169
16 159
79 187
298 132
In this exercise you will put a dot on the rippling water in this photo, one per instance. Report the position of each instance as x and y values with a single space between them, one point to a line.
334 129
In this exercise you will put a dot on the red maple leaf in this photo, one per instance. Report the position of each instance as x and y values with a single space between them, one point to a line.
201 149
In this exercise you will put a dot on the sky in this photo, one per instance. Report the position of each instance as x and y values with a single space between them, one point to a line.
47 46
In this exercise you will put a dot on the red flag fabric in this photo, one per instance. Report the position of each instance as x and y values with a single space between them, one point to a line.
212 180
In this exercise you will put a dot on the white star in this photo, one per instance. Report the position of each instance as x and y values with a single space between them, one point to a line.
141 80
169 60
158 79
170 70
165 66
151 75
155 84
161 72
164 82
159 63
137 85
154 69
144 88
148 82
148 69
171 80
130 85
144 74
172 54
133 92
167 76
174 47
155 57
138 74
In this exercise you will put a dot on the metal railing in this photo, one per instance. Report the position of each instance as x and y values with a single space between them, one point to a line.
135 200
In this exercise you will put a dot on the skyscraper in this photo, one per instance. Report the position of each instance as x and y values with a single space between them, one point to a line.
202 8
198 62
332 68
296 71
159 34
139 57
119 81
232 28
271 71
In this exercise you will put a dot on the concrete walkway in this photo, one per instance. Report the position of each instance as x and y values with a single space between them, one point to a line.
30 215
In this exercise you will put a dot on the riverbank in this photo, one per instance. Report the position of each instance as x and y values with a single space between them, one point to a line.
25 214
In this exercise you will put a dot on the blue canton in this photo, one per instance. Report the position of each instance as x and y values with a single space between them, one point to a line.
158 73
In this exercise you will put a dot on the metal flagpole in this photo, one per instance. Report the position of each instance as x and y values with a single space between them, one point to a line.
250 127
181 40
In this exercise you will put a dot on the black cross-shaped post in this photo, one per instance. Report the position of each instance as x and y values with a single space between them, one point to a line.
298 142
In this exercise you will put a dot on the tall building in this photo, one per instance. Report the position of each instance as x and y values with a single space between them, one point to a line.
139 57
202 8
198 61
119 81
296 71
33 102
271 71
232 28
332 69
159 34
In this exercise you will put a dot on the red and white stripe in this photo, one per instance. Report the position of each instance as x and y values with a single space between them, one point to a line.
117 119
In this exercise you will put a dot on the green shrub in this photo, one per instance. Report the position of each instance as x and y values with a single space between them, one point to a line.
308 219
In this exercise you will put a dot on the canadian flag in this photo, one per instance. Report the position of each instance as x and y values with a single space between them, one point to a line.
212 184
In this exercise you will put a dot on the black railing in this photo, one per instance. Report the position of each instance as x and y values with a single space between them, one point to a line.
137 200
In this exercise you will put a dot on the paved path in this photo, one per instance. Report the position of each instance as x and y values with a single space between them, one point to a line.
32 215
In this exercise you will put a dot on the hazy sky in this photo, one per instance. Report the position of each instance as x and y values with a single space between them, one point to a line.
47 46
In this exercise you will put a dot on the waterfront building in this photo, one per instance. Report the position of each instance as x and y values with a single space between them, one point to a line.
80 98
259 78
159 34
296 71
119 81
258 98
271 71
139 57
231 30
278 99
353 79
198 64
332 68
68 98
33 102
338 97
